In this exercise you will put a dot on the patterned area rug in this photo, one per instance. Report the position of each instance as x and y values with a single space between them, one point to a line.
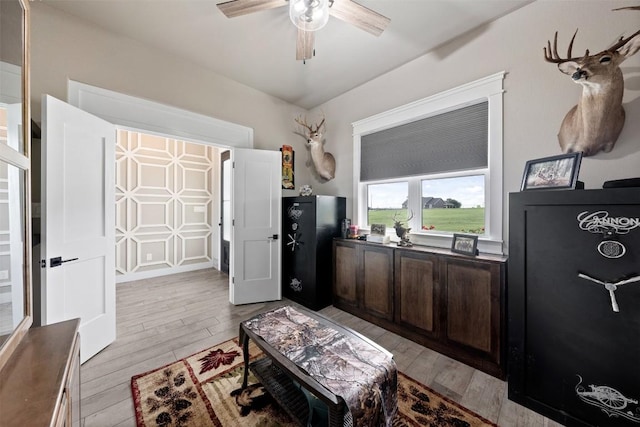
203 390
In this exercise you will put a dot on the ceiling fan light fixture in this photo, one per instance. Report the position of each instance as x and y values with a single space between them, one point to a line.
309 15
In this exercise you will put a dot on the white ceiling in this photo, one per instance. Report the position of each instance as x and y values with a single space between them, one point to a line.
258 50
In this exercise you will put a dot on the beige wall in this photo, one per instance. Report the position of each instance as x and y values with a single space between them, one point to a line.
537 95
536 99
64 47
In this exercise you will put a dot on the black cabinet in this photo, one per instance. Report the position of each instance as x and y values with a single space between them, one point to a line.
309 224
574 305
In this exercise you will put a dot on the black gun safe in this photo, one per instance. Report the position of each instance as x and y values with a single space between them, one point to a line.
574 305
309 224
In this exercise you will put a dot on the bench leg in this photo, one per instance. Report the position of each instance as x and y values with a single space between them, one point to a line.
245 354
336 415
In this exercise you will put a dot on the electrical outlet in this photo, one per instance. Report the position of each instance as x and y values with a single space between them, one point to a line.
149 257
4 274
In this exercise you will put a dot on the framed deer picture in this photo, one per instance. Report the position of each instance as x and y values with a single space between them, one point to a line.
555 172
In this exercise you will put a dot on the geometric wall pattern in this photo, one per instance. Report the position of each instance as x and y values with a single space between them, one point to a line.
164 202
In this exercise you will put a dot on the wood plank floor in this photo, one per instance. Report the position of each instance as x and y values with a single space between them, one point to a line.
164 319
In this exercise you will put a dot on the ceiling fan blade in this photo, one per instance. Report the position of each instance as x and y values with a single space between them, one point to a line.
304 45
360 16
234 8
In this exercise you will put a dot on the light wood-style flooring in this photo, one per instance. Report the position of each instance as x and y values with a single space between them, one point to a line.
165 319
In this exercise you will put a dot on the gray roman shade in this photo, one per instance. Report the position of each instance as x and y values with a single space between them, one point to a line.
452 141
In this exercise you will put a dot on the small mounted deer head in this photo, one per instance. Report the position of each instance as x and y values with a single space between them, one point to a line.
401 231
324 163
595 123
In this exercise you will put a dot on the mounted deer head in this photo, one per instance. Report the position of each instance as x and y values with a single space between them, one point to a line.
595 123
324 163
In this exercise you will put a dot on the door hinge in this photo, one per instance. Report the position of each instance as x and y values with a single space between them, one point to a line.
233 280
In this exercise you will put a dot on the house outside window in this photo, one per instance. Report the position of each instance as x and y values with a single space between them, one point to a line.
435 164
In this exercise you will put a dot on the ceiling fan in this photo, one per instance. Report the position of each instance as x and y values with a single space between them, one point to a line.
311 15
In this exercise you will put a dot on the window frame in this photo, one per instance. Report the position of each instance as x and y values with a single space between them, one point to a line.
488 89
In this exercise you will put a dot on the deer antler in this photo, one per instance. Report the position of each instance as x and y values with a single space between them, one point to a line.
622 41
304 124
552 55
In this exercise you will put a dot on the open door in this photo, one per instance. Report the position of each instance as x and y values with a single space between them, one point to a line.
78 223
256 213
225 214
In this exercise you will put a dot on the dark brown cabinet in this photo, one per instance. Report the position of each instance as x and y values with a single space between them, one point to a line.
363 278
451 303
417 288
376 280
345 267
474 308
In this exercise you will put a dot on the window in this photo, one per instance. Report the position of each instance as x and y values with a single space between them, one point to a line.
435 164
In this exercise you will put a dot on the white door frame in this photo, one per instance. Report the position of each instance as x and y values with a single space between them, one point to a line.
139 114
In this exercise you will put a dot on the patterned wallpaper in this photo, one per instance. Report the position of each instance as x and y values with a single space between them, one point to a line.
164 204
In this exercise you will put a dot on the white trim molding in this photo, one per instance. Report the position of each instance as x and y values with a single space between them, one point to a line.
140 114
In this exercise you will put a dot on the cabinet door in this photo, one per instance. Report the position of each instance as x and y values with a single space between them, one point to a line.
473 305
376 280
345 269
417 291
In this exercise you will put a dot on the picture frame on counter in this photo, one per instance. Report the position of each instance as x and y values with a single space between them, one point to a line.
465 244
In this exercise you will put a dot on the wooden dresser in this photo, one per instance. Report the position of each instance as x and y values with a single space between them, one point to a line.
40 383
453 304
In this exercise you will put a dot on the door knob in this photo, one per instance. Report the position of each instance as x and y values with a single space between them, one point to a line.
58 261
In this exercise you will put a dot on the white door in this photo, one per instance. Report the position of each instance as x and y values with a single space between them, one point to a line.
255 245
78 223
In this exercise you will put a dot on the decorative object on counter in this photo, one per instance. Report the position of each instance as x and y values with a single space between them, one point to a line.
288 181
353 231
401 231
306 190
378 234
594 124
346 223
323 162
465 244
378 229
378 238
555 172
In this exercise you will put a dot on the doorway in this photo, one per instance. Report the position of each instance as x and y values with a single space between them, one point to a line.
166 204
